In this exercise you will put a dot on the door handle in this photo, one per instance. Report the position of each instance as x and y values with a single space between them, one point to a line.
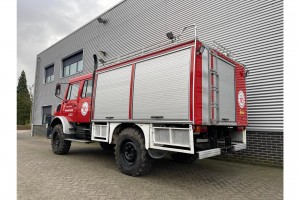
71 105
157 117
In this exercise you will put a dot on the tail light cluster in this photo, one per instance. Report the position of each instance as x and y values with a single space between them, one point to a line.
241 128
199 129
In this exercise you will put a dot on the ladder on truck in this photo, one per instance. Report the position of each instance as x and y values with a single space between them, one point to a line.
214 77
214 92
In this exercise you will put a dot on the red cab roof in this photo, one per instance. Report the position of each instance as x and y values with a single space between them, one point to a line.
80 78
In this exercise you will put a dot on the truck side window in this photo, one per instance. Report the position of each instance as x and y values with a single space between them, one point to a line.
73 91
87 89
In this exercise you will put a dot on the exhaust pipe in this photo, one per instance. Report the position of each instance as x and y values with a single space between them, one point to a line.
93 83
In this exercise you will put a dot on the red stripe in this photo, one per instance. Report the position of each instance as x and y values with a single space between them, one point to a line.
198 88
191 83
131 91
240 84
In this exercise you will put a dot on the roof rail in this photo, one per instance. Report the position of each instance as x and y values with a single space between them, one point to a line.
154 47
217 46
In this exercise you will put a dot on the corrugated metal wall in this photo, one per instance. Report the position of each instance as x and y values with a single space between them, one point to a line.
253 30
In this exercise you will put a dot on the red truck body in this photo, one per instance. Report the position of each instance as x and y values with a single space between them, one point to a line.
71 108
187 100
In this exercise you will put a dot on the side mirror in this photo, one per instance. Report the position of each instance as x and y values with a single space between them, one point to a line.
57 89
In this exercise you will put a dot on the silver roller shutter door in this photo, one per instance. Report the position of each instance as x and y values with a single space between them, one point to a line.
112 94
226 91
161 87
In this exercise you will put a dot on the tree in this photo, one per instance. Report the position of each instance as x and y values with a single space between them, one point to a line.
23 101
30 89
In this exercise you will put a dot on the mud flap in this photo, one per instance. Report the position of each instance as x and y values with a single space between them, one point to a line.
48 128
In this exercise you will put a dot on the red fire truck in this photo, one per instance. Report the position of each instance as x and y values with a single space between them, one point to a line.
182 98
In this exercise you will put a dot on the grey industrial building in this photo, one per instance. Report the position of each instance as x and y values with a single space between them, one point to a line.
252 30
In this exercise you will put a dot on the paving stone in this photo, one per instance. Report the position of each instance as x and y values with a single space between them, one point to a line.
88 172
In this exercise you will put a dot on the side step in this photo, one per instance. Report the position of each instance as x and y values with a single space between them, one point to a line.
81 141
218 151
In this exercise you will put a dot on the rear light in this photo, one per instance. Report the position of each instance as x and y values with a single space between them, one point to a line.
199 129
241 128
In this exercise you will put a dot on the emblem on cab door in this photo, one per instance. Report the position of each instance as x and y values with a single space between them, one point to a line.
84 108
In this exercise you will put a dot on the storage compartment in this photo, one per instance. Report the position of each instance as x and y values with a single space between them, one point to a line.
112 94
225 92
100 132
161 87
171 136
172 139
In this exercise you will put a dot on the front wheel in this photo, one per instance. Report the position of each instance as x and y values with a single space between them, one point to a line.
131 155
59 144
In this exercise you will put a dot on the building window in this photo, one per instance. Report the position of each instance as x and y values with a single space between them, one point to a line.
73 64
73 91
49 74
46 114
87 89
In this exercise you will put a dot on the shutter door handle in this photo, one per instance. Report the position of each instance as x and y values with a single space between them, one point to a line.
157 117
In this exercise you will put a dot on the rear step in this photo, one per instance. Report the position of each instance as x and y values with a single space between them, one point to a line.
218 151
76 140
209 153
239 147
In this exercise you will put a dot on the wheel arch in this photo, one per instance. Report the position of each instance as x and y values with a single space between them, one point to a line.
66 125
116 129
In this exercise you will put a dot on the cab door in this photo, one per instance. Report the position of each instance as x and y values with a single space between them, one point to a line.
70 106
84 102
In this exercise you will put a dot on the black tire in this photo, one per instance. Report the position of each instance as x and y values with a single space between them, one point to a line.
59 144
184 158
130 153
106 146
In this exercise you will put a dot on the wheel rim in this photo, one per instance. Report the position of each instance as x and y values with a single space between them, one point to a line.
128 152
56 140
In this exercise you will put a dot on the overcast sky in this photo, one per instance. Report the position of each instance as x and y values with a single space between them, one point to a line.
41 23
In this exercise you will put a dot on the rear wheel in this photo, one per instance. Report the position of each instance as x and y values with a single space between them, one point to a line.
59 144
131 155
106 146
184 158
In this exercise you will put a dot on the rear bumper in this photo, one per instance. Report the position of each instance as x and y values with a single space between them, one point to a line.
219 151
